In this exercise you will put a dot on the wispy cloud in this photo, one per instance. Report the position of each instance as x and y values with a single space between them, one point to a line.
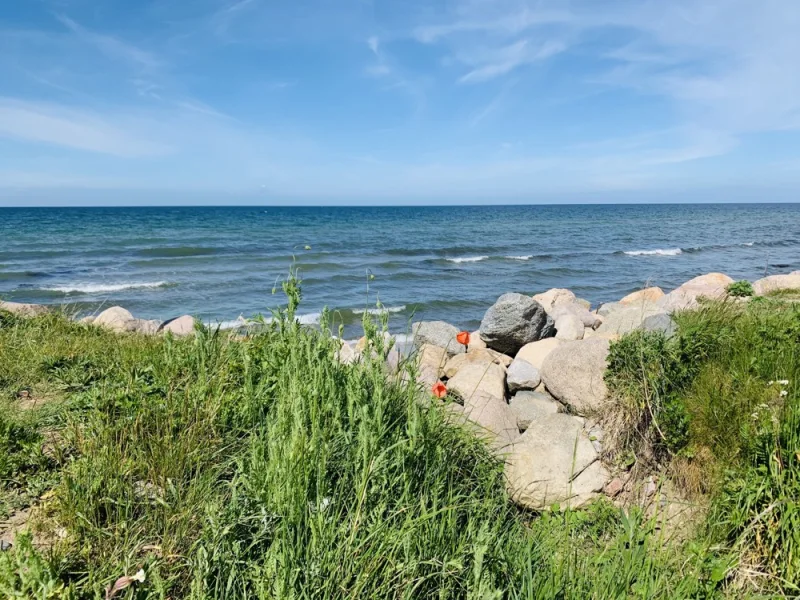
110 45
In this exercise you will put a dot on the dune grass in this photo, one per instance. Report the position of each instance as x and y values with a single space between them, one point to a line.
261 467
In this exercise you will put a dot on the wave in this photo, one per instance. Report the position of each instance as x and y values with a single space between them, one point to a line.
466 259
656 252
526 257
177 251
101 288
379 311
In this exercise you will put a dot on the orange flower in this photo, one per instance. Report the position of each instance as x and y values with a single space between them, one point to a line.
463 338
439 389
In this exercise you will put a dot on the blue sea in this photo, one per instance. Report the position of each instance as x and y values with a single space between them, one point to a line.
450 263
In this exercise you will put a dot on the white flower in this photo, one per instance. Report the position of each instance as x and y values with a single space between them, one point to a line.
783 382
784 393
770 383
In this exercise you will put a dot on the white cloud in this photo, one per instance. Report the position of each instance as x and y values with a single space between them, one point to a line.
111 46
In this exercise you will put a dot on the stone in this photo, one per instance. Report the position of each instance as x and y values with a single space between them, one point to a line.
181 326
522 375
87 320
480 355
651 294
660 322
614 487
494 416
587 318
430 364
437 333
531 406
584 303
346 354
475 341
609 307
628 318
513 321
776 283
550 463
144 326
574 374
555 297
23 310
569 327
536 352
479 378
115 318
712 285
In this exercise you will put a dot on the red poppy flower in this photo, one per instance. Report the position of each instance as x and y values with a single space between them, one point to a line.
463 338
439 389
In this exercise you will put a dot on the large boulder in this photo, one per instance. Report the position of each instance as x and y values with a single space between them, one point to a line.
609 307
661 322
531 406
630 317
479 378
651 294
437 333
116 318
776 283
179 327
555 297
569 327
494 416
553 462
480 355
574 374
513 321
522 375
536 352
430 364
23 310
475 341
144 326
587 317
712 286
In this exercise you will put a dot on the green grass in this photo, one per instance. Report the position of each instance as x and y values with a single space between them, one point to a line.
260 467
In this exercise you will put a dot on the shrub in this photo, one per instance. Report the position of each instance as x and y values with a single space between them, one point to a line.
740 289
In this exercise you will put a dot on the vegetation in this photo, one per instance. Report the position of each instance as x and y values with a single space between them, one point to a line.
740 289
261 467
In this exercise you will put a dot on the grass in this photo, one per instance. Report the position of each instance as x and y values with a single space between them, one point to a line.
261 467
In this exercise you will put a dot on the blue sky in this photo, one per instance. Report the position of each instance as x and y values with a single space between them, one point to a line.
386 101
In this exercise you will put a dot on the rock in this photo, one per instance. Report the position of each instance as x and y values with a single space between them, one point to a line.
479 378
628 318
480 355
87 320
437 333
587 318
550 463
651 294
23 310
346 354
712 285
660 322
582 302
430 364
493 415
569 327
775 283
536 352
531 406
179 327
573 373
115 318
609 307
614 487
475 341
144 326
522 375
513 321
555 297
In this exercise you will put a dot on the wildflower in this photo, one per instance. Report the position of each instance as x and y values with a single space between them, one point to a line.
123 582
463 338
783 382
784 393
439 389
770 382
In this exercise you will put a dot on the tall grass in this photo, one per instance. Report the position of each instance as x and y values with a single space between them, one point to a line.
261 467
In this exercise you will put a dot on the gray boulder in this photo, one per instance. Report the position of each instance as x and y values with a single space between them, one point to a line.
569 327
513 321
493 416
522 375
660 322
479 378
437 333
608 308
629 318
587 318
531 406
574 374
552 463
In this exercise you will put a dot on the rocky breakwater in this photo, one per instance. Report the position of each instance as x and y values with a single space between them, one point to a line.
532 379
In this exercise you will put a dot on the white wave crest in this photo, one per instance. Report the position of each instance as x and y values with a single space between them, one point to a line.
309 319
525 257
378 311
467 259
748 244
656 252
102 288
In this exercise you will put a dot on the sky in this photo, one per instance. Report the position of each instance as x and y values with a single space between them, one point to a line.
398 101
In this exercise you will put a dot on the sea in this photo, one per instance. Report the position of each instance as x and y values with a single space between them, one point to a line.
221 264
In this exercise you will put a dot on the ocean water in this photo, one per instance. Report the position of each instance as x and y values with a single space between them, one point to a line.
446 263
